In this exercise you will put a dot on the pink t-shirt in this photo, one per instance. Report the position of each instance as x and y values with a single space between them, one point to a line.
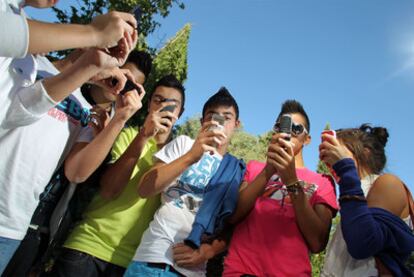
268 241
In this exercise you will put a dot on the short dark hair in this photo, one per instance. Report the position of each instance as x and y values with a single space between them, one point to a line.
170 81
221 98
142 60
293 106
367 144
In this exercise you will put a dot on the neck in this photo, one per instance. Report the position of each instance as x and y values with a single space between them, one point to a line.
299 163
162 139
99 98
222 150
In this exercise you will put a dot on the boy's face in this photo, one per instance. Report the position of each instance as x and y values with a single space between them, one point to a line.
299 139
138 75
165 96
230 122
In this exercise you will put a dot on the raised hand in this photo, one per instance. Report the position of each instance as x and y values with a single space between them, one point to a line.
129 103
207 140
280 155
331 151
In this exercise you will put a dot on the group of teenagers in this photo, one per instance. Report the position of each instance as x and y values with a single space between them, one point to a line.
166 205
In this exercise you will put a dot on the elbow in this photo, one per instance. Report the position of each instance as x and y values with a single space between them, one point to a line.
75 176
74 173
143 193
317 248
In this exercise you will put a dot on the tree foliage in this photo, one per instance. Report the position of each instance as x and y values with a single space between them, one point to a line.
171 59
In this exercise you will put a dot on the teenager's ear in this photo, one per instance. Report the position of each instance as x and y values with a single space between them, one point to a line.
307 140
238 124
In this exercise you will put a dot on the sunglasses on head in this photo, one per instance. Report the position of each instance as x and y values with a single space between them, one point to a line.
297 129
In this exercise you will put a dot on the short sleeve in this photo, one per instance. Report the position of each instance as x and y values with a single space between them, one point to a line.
325 193
124 139
253 169
29 104
175 149
14 31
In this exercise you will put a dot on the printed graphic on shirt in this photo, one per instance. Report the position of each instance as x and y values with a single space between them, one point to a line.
69 109
189 189
275 189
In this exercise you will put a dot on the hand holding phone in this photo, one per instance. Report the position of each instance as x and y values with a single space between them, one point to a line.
328 131
129 85
220 120
286 125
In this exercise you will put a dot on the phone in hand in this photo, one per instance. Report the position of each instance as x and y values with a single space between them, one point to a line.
220 120
169 108
285 125
328 130
129 85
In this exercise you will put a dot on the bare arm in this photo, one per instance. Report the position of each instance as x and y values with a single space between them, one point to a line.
117 175
85 158
104 31
249 193
188 257
388 193
313 222
162 174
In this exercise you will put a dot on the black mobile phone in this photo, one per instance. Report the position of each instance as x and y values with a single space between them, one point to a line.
129 85
169 108
286 125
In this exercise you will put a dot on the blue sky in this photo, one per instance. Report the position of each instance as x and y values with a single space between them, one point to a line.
348 62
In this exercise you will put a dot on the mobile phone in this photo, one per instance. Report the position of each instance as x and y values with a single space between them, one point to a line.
286 125
129 85
169 108
328 130
219 119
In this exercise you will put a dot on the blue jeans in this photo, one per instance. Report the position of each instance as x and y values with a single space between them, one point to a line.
7 249
137 269
73 263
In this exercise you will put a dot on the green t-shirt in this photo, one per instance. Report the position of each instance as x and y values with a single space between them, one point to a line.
111 230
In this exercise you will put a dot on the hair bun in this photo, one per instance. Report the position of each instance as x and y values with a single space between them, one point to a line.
380 133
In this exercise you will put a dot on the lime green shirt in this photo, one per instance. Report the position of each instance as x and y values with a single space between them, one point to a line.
111 230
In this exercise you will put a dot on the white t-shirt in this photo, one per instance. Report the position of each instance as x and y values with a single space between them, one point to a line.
14 30
30 154
338 261
179 204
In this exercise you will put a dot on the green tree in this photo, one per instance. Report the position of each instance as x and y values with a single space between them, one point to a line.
85 10
171 59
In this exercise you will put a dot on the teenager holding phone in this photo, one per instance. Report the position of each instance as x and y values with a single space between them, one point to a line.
284 210
374 237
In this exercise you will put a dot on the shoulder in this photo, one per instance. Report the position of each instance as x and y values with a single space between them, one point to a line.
181 142
388 192
127 135
387 185
253 168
